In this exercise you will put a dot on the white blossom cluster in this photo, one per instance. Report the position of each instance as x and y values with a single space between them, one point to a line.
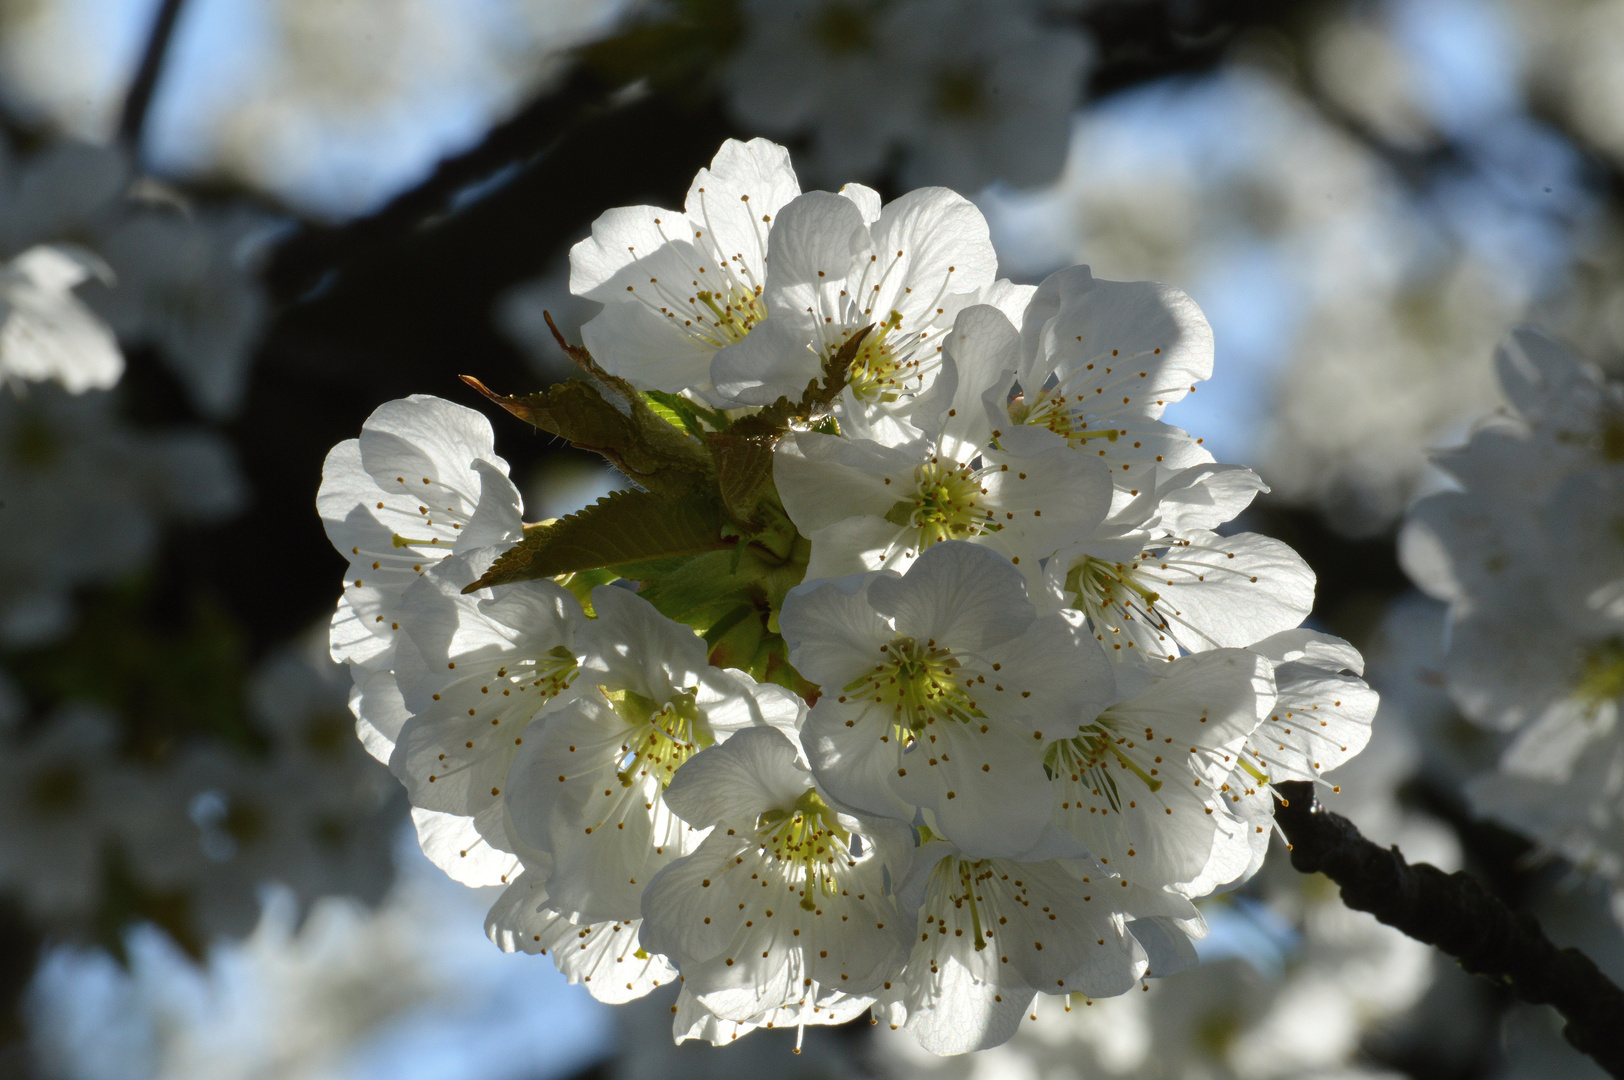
1050 695
975 90
90 258
103 823
1528 552
154 270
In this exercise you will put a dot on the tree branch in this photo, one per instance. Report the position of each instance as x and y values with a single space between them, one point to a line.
1455 913
138 99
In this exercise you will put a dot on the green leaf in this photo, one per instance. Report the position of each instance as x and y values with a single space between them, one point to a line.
618 531
744 475
680 412
672 412
705 588
834 372
735 638
639 442
774 420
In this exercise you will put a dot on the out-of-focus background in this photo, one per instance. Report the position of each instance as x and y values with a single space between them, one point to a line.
309 207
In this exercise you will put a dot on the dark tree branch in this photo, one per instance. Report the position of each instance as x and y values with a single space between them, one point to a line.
508 149
1455 913
138 100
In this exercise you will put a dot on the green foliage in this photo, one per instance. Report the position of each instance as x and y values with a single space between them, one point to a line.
744 475
637 441
708 538
621 529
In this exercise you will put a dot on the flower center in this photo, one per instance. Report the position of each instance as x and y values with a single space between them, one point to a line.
844 27
1047 408
1601 675
877 373
662 738
735 312
962 94
1086 759
57 791
920 682
962 885
944 505
808 842
1101 585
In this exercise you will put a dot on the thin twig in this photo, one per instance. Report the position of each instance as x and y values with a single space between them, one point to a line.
1455 913
138 99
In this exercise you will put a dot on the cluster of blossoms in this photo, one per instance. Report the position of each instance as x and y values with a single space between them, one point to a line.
917 678
115 808
975 90
1529 555
92 256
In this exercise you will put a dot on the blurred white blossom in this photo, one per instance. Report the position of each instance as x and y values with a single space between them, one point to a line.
82 496
965 92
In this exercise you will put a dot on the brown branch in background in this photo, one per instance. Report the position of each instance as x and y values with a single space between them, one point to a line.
1455 913
138 99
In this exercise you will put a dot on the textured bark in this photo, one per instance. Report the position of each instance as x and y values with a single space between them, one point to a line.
1455 913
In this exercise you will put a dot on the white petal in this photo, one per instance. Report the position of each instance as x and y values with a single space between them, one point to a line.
815 243
961 595
986 792
867 200
737 199
823 479
602 956
457 845
1129 327
852 763
752 772
1206 496
832 630
941 246
774 360
1215 601
631 646
668 350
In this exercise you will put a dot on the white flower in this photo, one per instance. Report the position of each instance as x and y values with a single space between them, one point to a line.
422 483
472 671
993 933
184 287
46 332
678 286
840 263
1099 362
938 686
1179 585
784 905
86 495
66 801
1143 785
1529 558
589 787
970 91
866 506
608 958
1321 717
